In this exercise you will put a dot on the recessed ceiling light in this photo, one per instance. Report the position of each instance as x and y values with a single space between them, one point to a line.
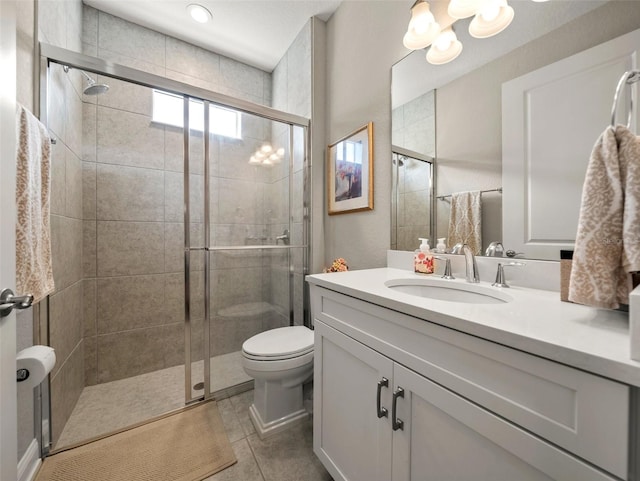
199 13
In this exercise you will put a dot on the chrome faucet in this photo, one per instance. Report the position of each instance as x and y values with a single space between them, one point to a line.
495 249
472 273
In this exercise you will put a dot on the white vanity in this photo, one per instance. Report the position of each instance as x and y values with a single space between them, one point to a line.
414 388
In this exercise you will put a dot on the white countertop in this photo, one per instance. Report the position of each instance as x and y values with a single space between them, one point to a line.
536 321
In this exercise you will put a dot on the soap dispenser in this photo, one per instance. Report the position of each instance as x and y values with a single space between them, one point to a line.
441 247
423 259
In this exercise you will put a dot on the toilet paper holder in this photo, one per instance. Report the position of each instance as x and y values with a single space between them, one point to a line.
9 301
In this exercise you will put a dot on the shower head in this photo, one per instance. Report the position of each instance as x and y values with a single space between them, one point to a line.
93 88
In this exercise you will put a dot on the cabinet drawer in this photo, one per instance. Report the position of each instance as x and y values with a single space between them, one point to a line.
583 413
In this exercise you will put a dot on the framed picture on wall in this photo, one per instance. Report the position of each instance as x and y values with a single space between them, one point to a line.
350 172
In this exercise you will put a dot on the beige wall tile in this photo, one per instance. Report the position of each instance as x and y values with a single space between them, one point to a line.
66 324
89 145
108 54
174 296
240 202
89 248
129 353
73 128
125 138
193 61
129 193
231 287
66 387
88 190
73 187
130 248
90 345
58 178
239 76
130 39
89 303
126 96
125 303
174 247
174 151
89 25
66 250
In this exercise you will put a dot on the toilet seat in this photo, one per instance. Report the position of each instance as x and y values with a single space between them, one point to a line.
279 344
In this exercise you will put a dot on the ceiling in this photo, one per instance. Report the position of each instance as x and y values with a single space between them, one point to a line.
255 32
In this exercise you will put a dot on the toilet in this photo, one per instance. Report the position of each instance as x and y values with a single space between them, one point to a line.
280 360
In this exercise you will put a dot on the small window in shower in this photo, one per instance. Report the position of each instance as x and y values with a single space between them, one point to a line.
168 110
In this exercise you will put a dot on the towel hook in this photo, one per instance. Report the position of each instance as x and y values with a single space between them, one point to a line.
627 78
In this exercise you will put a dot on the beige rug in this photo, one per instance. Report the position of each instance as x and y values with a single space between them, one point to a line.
186 446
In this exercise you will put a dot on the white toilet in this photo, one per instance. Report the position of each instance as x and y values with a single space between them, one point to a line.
280 360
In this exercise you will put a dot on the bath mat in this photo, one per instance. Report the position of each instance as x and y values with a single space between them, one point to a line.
186 446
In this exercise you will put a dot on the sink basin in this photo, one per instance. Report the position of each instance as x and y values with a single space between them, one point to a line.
443 290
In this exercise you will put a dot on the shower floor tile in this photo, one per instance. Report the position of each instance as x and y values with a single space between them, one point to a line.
108 407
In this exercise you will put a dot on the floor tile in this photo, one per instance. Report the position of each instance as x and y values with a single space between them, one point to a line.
230 420
288 456
241 404
246 469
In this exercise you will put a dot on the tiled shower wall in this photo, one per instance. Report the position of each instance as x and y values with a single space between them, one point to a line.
61 24
292 86
133 242
414 128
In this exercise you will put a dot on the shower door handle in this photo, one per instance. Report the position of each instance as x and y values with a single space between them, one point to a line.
8 302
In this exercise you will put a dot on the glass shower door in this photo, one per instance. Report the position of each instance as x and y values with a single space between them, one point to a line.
254 241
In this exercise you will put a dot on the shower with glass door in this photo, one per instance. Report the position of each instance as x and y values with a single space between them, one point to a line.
194 215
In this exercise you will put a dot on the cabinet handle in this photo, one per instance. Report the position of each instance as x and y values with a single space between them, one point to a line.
397 423
382 411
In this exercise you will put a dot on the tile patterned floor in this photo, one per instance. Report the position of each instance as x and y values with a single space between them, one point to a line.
287 456
104 408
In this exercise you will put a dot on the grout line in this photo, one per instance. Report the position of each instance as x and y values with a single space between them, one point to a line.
264 478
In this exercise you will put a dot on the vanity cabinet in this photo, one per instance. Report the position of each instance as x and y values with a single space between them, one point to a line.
465 408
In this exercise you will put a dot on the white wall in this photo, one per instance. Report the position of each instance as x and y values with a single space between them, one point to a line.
364 39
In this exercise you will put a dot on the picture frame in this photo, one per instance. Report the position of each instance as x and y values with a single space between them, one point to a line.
350 172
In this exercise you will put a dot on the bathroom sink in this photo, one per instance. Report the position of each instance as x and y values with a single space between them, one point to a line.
443 290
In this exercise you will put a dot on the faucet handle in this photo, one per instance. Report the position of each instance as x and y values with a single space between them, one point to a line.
447 267
501 281
457 249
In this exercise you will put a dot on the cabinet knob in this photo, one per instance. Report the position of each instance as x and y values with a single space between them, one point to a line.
397 423
381 411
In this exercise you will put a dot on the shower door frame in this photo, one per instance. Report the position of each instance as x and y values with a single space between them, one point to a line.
50 53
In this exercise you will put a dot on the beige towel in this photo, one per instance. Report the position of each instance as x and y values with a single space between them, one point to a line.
465 220
608 239
34 273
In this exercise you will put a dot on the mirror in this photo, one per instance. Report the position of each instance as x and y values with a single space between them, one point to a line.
467 117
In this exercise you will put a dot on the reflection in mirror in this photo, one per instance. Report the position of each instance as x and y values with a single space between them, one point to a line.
468 118
413 200
413 157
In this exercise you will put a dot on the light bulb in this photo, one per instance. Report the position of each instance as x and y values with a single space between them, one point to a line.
199 13
445 48
259 155
280 151
266 148
421 17
423 29
254 161
490 11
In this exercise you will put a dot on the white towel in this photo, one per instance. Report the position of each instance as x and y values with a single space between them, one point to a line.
34 272
465 220
607 245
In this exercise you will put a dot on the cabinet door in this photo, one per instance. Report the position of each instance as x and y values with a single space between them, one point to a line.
350 439
447 438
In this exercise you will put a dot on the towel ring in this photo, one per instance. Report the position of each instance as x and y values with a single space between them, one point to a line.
627 78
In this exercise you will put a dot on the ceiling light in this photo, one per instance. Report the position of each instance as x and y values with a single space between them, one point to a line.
463 8
445 48
280 151
493 18
266 148
422 29
199 13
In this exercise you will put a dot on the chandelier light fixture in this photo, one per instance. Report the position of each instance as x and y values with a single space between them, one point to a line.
267 156
490 17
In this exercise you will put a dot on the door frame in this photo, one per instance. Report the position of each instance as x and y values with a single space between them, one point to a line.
8 386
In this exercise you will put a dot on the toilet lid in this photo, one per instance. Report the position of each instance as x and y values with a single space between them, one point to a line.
280 343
